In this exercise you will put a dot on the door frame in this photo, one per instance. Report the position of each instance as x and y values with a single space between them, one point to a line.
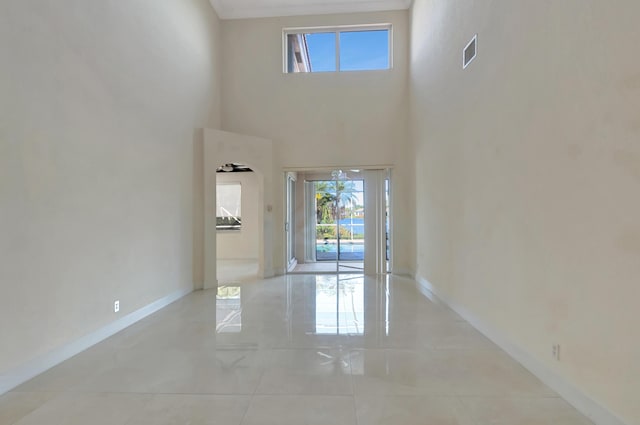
380 264
222 147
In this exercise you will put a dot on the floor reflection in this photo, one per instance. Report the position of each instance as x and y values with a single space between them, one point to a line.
305 311
339 305
229 309
293 350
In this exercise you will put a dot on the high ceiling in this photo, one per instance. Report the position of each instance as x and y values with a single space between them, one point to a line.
238 9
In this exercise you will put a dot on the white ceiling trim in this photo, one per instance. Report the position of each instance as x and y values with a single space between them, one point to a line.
321 8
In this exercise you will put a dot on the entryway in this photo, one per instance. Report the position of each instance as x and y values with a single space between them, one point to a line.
337 221
224 151
237 222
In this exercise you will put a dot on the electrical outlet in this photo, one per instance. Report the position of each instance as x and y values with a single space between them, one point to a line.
555 351
116 306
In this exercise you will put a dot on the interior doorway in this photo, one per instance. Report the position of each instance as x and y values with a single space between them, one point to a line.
221 148
337 221
237 223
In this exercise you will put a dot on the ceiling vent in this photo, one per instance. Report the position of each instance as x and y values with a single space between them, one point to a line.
470 51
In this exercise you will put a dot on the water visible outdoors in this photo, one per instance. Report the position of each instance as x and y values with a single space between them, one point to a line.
331 247
355 225
326 251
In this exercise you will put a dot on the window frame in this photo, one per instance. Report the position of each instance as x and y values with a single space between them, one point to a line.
337 30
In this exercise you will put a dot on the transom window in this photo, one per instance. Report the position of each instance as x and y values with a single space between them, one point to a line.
330 49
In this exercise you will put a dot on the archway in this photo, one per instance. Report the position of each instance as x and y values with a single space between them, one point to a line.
221 147
237 222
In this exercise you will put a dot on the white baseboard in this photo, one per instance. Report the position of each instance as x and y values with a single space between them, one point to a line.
32 368
599 414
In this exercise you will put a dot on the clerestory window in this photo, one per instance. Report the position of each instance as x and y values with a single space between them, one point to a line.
331 49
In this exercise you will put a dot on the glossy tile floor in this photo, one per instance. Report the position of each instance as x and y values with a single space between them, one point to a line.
296 350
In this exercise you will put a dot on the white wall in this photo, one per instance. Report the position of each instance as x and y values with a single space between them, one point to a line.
321 119
242 244
528 178
99 102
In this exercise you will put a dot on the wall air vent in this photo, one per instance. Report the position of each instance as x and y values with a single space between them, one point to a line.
470 51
